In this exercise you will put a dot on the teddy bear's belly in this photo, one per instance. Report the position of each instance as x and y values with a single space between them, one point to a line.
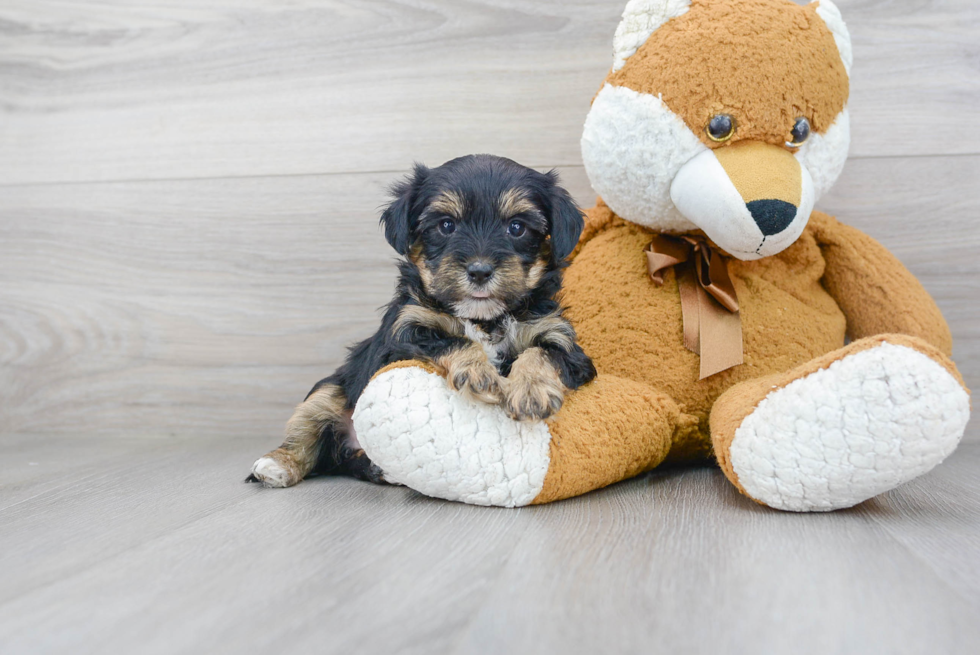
633 329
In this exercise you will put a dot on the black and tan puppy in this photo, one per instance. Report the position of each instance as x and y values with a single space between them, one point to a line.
483 241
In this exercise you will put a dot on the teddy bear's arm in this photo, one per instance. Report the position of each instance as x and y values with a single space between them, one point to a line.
877 294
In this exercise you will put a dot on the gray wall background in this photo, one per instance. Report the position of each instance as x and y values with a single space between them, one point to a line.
189 192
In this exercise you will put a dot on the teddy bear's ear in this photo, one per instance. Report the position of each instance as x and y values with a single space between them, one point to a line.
830 15
641 18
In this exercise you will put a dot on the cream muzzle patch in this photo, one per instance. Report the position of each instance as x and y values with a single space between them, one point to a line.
735 206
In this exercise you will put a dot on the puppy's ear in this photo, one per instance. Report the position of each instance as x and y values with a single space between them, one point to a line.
400 218
565 218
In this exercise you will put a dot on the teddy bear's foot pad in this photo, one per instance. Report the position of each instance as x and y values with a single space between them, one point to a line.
863 425
426 436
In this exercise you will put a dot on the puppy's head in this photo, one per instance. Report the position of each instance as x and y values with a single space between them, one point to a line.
483 231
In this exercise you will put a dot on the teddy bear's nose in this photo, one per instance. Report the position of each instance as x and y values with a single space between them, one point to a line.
772 216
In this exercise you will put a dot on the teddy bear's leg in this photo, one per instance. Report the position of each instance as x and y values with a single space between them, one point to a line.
426 436
842 428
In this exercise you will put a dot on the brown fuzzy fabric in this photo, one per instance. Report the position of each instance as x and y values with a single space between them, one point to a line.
410 363
741 400
648 406
765 100
633 329
607 431
874 290
793 308
596 219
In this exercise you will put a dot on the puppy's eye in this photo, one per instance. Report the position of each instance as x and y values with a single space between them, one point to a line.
799 133
721 128
516 229
447 226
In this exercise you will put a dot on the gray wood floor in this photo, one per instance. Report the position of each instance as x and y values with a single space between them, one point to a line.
156 546
189 195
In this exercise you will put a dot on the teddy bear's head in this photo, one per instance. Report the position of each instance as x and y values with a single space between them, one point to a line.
727 116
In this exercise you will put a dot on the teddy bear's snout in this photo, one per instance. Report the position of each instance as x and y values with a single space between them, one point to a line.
752 199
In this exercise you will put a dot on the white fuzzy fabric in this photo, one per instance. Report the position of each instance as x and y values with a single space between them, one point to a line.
703 192
862 426
824 155
641 18
831 16
632 147
431 439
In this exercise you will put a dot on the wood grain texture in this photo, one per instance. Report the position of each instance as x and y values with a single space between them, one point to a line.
120 91
189 194
164 550
212 306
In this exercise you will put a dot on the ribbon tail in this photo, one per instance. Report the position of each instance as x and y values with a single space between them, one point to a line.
722 331
690 292
709 305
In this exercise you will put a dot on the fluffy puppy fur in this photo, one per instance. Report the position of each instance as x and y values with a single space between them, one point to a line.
483 241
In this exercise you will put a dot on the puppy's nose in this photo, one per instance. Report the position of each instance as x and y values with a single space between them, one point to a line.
772 216
479 272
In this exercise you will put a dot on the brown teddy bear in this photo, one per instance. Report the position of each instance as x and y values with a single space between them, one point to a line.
714 301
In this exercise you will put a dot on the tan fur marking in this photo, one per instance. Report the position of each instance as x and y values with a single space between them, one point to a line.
297 454
515 201
767 64
536 272
760 171
415 255
470 372
509 281
450 203
509 275
449 279
425 317
426 274
534 388
551 329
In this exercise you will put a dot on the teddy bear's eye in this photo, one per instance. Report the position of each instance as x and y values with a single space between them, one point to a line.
799 133
721 128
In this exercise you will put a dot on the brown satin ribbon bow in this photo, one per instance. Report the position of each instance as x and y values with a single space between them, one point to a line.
709 306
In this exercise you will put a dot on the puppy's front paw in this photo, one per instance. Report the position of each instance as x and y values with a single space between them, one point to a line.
479 380
534 389
535 401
